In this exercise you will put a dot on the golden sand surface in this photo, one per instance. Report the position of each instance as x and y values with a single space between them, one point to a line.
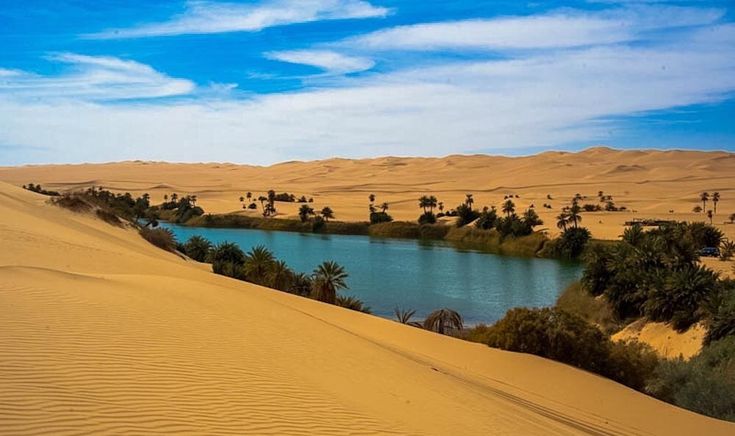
102 333
649 183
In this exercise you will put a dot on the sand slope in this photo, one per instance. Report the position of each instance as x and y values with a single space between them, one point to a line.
101 332
651 183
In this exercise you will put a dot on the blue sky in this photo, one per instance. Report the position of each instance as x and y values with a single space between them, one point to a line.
274 80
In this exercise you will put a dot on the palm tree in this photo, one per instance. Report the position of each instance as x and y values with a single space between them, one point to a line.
371 197
165 197
305 212
329 277
262 200
404 317
709 215
300 285
242 199
469 201
442 320
531 218
174 197
352 303
258 263
441 206
424 202
732 218
715 200
384 207
248 195
574 213
279 276
431 203
562 221
509 207
704 196
327 213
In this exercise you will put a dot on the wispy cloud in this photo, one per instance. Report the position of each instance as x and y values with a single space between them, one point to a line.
555 30
330 61
535 101
94 78
203 16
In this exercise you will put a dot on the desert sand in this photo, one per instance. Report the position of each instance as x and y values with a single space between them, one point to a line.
102 332
649 183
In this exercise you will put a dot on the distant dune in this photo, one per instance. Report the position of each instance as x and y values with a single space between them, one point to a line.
102 333
648 183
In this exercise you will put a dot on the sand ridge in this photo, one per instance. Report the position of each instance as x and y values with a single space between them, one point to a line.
101 332
649 183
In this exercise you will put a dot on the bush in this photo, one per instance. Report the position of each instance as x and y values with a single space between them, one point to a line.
465 214
720 308
380 217
556 334
108 217
577 300
427 218
72 202
487 219
229 269
705 384
226 252
403 229
573 241
631 363
197 248
161 238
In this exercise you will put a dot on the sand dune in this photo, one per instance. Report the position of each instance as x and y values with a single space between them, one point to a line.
101 332
648 183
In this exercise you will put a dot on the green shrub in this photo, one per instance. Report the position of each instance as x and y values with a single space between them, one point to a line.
559 335
403 229
197 248
352 303
161 238
108 217
573 242
678 296
380 217
427 218
577 300
554 334
73 202
226 252
704 384
720 309
465 214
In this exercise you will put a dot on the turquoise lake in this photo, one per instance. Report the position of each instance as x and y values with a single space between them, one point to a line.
420 275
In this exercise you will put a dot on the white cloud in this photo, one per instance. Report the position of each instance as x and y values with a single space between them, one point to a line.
94 78
330 61
540 100
554 30
218 17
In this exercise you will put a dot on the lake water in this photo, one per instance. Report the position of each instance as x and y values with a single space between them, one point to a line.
420 275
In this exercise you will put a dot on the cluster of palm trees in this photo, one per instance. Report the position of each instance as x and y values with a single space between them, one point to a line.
442 321
704 197
261 267
570 216
378 214
306 212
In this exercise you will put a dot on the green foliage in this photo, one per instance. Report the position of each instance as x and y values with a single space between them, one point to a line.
465 214
305 212
329 277
720 308
487 219
227 252
556 334
595 310
491 241
352 303
704 384
443 321
197 248
161 238
257 265
39 190
572 242
427 218
677 296
380 217
403 229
